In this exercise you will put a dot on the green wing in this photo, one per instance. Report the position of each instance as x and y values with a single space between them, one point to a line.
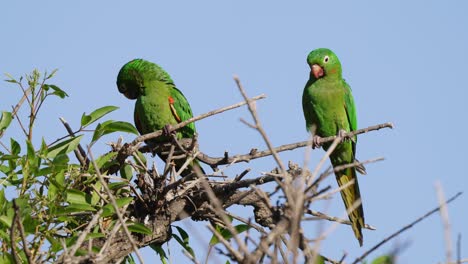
309 112
350 112
183 111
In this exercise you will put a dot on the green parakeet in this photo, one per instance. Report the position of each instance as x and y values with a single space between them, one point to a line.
158 102
329 110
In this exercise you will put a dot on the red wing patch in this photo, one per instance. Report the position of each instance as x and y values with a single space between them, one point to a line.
171 100
173 110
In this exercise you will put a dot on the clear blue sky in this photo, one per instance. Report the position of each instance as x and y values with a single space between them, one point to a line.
405 61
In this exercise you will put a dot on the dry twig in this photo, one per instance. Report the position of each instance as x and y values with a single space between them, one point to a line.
403 229
445 221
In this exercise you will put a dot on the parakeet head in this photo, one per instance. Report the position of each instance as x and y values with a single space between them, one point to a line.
135 74
323 62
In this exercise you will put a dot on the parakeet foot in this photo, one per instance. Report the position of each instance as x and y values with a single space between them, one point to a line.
342 134
316 142
360 168
167 130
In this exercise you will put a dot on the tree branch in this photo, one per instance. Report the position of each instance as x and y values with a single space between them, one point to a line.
254 154
385 240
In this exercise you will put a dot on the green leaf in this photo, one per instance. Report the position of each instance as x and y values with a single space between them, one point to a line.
123 127
139 228
111 126
129 259
7 218
5 120
226 234
75 208
57 91
182 233
160 251
51 74
126 172
54 243
183 240
31 153
30 224
3 200
10 78
102 160
95 235
15 147
96 114
43 150
64 147
9 157
76 197
56 184
6 258
109 209
385 259
117 185
61 161
95 198
319 260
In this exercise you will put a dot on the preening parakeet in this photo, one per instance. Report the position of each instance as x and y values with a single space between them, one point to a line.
158 102
329 110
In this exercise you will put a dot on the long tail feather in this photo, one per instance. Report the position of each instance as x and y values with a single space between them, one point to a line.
352 199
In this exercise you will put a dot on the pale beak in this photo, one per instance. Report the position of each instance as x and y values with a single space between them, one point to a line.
317 71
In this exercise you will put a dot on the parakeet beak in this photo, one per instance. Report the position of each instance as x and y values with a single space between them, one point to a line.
130 94
317 71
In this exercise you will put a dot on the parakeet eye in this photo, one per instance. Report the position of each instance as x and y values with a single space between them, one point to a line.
326 59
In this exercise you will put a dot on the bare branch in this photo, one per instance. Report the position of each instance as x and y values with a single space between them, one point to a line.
258 126
459 248
193 119
235 254
385 240
445 221
214 161
335 219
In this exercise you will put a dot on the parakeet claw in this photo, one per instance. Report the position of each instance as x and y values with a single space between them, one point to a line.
342 134
167 130
316 142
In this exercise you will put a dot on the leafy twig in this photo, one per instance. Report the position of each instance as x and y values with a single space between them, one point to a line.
84 233
80 153
116 208
14 251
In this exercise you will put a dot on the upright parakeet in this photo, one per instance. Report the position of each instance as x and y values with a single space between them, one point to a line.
329 110
158 102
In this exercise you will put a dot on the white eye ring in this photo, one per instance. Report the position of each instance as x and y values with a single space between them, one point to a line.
326 59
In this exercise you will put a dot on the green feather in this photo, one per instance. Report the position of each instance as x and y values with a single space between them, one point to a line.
158 101
183 111
328 108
